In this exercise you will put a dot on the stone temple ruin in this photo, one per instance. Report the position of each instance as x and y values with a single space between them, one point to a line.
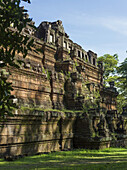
63 103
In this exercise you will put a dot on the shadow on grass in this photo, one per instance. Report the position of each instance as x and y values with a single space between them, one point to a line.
77 159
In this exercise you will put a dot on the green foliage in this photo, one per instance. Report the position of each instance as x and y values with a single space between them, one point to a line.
121 102
122 71
86 60
110 63
6 102
48 75
32 109
76 63
117 74
122 85
43 70
68 75
12 42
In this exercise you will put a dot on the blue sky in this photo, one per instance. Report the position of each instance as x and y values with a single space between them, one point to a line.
97 25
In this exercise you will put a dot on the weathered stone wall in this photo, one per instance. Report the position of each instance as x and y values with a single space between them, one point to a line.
31 89
42 132
36 131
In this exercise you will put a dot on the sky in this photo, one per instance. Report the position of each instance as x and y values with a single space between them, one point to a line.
97 25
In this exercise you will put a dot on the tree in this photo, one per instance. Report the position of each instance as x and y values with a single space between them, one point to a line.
122 71
12 41
122 83
113 72
110 63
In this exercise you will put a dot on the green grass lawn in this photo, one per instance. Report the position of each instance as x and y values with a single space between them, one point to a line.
113 158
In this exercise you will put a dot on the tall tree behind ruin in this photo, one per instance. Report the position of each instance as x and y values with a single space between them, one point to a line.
118 74
110 63
13 19
122 83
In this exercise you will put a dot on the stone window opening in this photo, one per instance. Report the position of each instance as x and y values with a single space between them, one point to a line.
79 54
70 48
86 57
90 59
94 61
26 30
83 55
51 38
65 44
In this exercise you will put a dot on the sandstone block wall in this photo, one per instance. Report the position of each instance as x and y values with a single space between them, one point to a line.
36 131
31 134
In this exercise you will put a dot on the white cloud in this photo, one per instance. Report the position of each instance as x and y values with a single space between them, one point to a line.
116 24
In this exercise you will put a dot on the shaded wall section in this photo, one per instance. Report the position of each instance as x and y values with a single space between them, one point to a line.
30 134
36 131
